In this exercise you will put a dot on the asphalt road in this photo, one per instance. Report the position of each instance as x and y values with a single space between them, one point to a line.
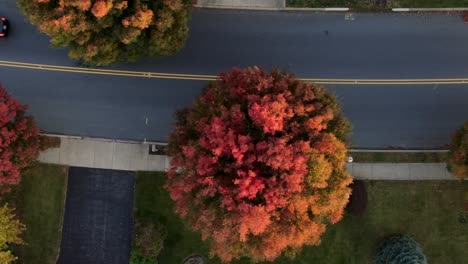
371 46
98 217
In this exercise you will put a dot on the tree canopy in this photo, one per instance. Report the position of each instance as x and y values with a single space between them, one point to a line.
101 32
10 231
20 142
258 164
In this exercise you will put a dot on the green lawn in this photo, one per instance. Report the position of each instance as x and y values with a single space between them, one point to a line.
430 3
39 200
399 157
426 210
152 201
372 4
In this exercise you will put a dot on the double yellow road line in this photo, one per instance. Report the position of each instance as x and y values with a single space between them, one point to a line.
158 75
200 77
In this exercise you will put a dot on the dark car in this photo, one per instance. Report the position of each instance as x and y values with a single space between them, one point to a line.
3 27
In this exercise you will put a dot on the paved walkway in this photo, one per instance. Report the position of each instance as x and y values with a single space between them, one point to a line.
281 5
399 171
242 4
107 154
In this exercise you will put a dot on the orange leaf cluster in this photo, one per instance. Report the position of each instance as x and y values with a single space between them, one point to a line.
83 5
101 8
140 19
257 166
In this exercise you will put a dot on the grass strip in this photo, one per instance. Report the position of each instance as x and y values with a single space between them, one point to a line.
39 200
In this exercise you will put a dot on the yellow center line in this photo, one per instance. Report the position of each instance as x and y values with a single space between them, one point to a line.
201 77
48 66
129 74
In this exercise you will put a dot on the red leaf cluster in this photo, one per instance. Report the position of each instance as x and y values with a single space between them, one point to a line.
257 166
19 139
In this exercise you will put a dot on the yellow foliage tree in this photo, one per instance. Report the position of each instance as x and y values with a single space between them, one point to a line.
10 231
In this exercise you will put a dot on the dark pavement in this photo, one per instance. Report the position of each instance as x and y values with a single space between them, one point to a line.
371 46
98 217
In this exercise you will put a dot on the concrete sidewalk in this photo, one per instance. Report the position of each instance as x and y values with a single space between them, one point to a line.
108 154
104 154
400 171
281 5
242 4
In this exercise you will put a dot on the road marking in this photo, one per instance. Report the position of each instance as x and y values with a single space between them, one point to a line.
201 77
106 71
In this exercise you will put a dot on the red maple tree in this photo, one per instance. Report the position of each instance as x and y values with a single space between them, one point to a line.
258 164
20 141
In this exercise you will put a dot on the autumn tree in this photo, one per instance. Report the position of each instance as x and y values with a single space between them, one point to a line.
148 238
458 154
101 32
258 164
20 142
399 250
10 231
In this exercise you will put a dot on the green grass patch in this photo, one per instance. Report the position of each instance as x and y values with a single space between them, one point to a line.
399 157
429 211
430 3
39 201
376 4
152 202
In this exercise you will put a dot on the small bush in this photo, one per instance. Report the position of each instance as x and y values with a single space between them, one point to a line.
49 142
135 259
149 239
357 205
399 250
458 155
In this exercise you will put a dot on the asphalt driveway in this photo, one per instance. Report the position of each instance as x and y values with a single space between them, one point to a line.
98 217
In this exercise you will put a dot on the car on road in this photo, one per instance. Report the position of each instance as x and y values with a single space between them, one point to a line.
3 27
